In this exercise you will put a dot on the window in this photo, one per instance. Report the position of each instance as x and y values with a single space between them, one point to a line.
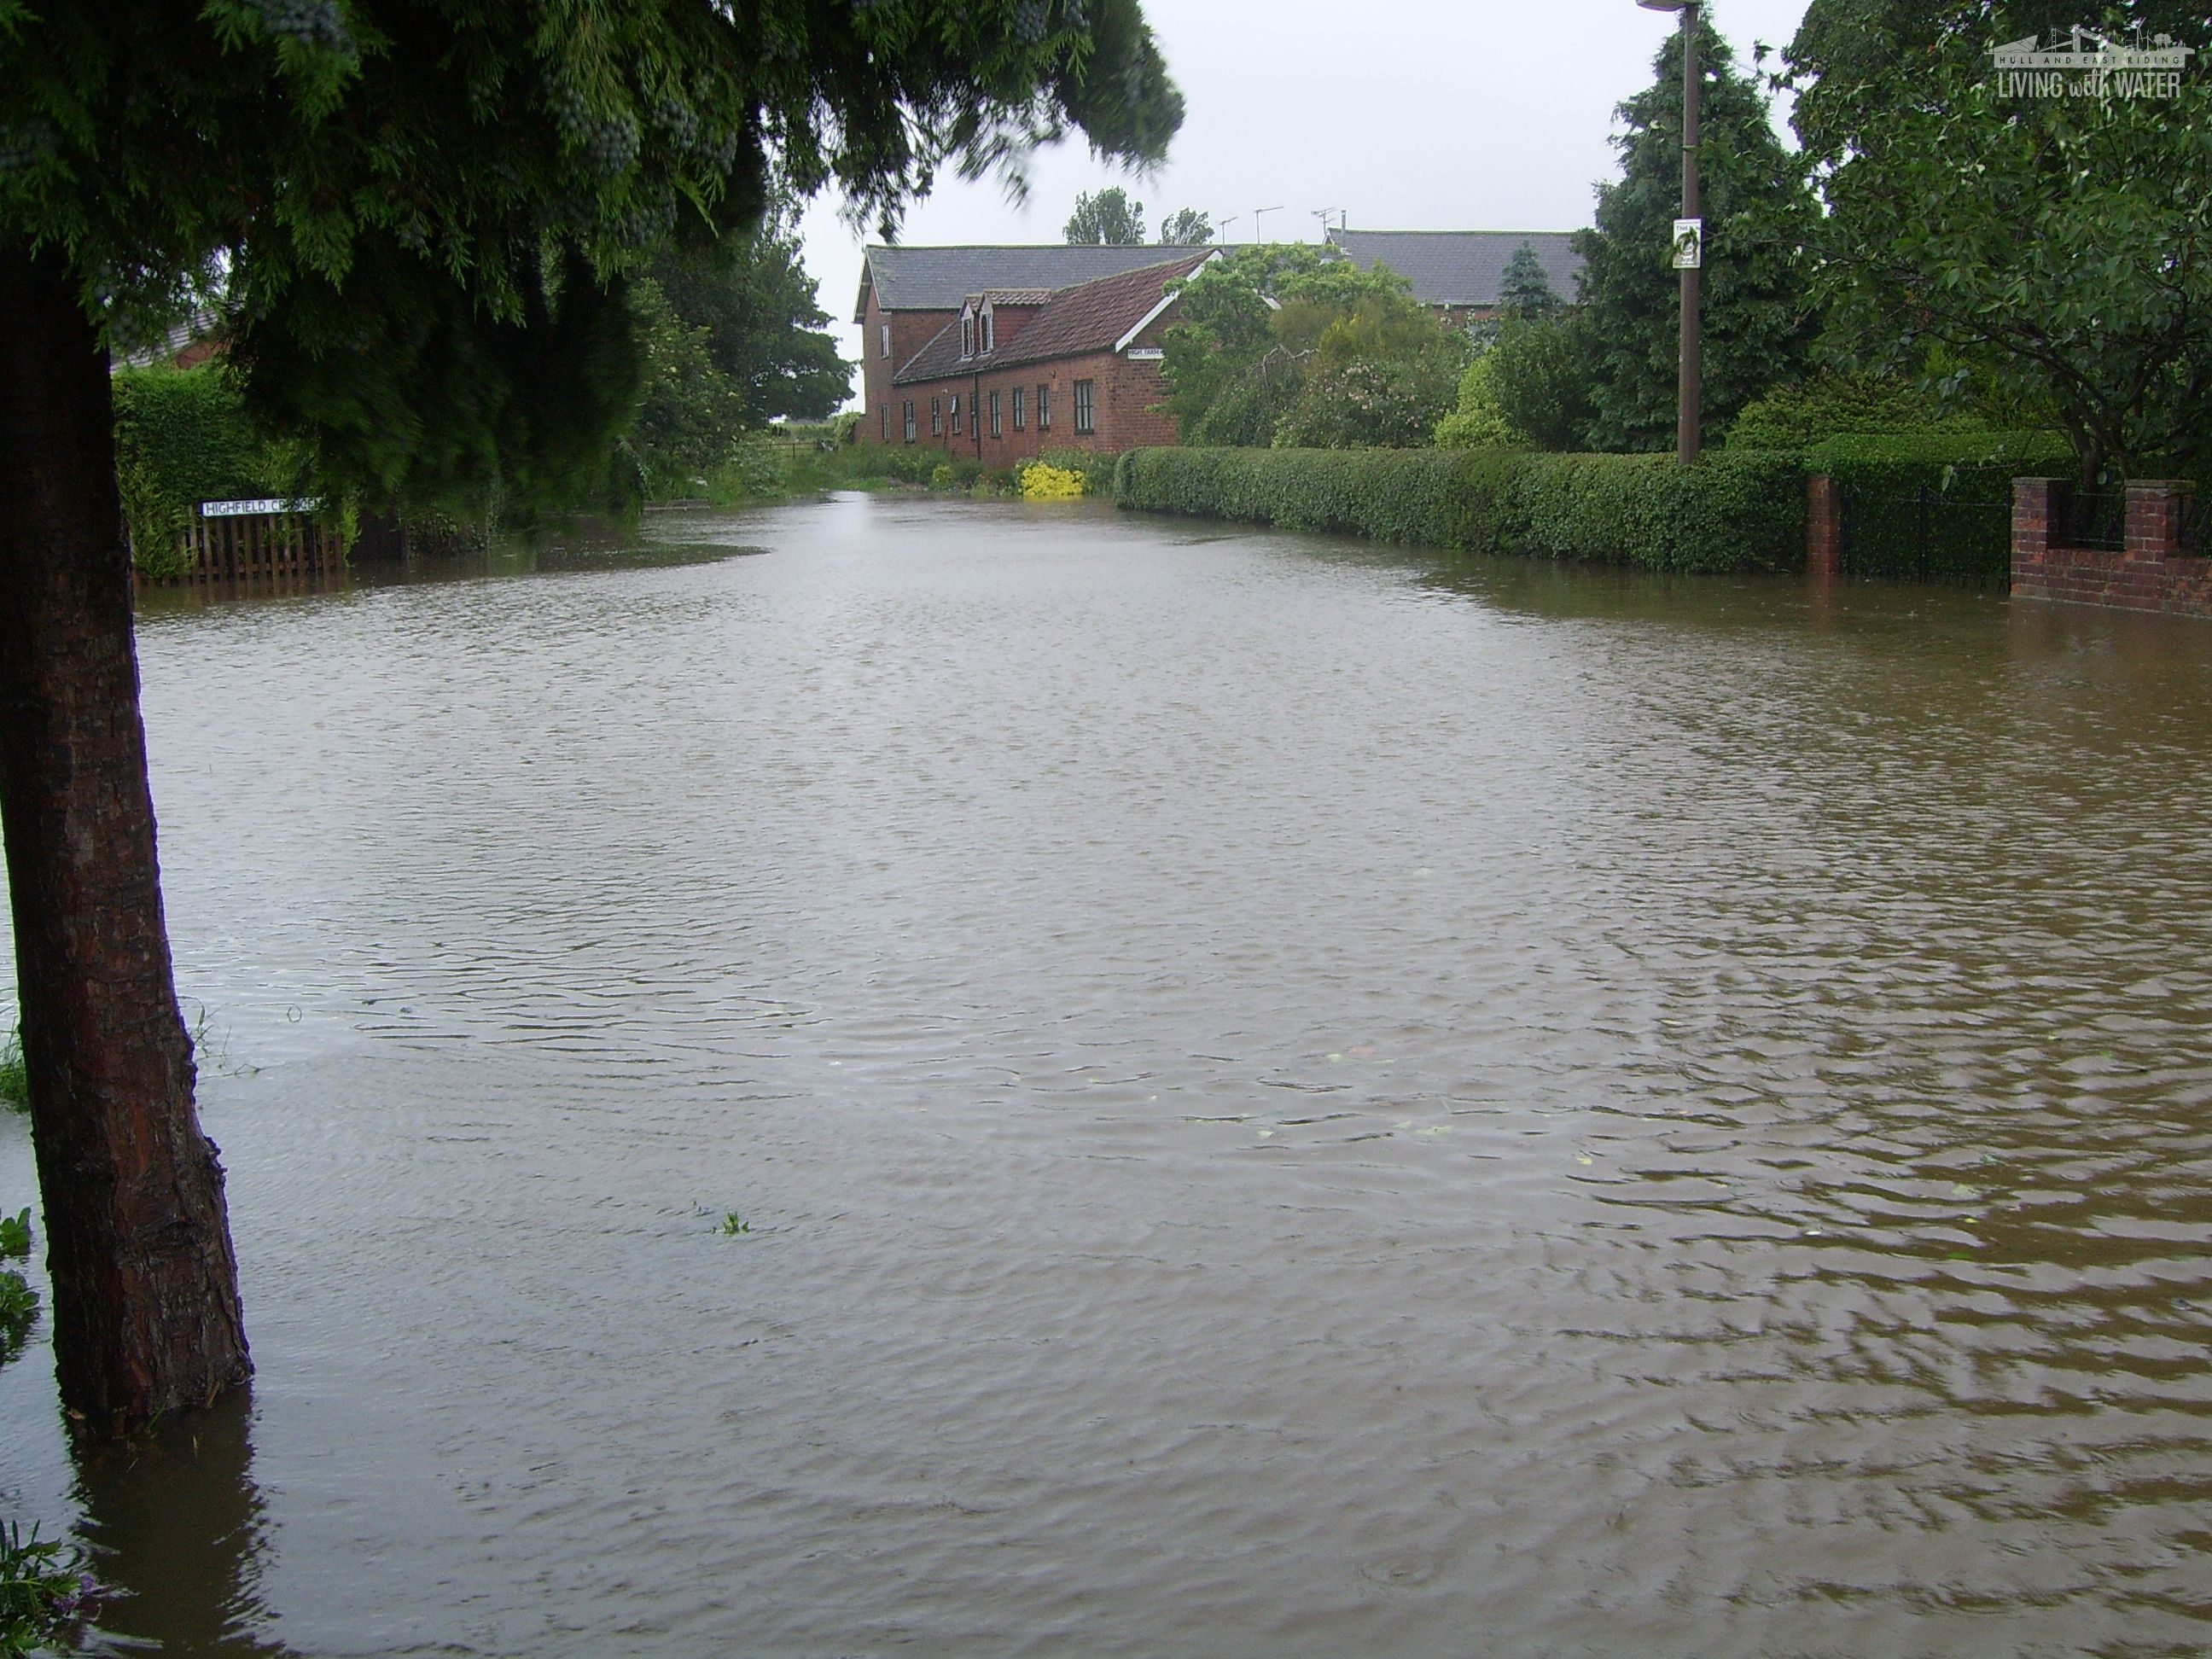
967 334
990 329
1085 415
956 414
883 334
998 427
1044 408
909 420
886 412
1021 396
937 418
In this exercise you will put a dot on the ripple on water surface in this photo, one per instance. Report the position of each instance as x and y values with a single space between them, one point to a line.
1283 1099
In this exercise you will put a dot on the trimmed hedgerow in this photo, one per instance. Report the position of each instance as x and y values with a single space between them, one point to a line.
1740 511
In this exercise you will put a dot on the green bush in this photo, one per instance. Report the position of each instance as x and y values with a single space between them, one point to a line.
1734 512
1478 422
182 437
1843 405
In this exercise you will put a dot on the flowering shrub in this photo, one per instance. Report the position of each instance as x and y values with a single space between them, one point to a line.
1382 402
1043 482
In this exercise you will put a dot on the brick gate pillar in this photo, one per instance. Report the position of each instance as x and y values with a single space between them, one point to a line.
1823 528
2157 510
2039 519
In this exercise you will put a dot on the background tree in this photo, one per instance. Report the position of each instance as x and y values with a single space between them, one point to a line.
1855 65
735 337
1108 217
2057 250
1187 227
422 218
1524 291
1284 344
1757 316
1540 377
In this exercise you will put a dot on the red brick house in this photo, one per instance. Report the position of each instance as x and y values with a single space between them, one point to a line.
1043 348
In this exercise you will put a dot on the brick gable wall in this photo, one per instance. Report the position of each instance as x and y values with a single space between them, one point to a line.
910 331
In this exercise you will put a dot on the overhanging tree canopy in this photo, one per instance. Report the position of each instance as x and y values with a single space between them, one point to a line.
419 214
2059 249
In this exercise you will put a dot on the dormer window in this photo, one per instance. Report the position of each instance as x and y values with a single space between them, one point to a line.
990 341
967 332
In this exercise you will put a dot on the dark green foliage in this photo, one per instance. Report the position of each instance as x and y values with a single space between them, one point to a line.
1540 375
764 323
1756 315
1187 227
182 436
1933 506
691 415
2054 249
1863 70
1842 405
1736 512
420 218
1525 292
1108 217
733 338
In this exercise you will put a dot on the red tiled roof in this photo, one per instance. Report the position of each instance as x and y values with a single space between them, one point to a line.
1089 317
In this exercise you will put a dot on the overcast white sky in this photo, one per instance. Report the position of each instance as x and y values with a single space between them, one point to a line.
1409 115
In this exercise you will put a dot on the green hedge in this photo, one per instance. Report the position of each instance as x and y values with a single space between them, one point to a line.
1735 512
181 437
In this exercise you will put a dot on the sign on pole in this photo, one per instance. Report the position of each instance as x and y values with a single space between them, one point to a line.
1689 244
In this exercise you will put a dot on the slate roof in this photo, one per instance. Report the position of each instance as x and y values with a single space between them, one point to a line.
939 278
1463 267
1089 317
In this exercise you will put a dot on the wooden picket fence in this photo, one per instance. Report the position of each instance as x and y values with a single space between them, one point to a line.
256 544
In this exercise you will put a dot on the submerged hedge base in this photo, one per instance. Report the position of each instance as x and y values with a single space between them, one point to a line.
1740 511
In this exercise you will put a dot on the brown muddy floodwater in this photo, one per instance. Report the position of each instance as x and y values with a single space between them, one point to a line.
1287 1100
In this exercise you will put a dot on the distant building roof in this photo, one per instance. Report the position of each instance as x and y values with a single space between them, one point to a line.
174 342
1090 317
940 278
1463 267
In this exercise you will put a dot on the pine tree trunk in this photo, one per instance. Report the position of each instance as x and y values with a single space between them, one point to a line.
146 1313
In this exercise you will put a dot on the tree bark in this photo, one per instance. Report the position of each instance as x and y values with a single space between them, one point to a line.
146 1312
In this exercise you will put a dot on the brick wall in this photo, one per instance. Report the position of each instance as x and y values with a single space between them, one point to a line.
2150 572
1125 396
910 331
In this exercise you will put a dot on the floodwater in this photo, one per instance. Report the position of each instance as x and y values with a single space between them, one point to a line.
1284 1100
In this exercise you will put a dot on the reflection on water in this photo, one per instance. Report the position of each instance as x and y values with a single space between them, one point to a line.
176 1526
1286 1099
